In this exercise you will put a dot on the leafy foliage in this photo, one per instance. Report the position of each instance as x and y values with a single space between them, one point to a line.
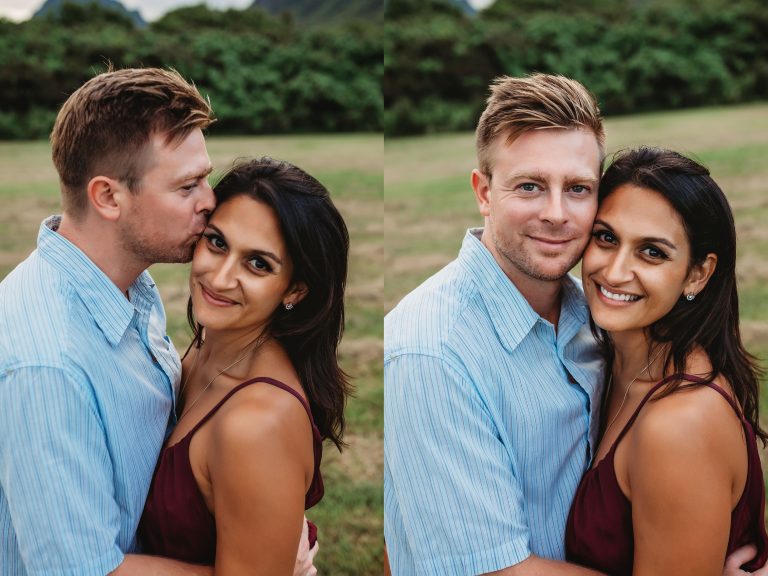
634 56
263 73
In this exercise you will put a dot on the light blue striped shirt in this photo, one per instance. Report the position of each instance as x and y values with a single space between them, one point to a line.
486 435
87 382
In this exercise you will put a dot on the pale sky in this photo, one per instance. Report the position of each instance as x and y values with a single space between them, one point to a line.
19 10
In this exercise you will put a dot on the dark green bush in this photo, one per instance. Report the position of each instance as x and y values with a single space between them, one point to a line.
634 56
263 74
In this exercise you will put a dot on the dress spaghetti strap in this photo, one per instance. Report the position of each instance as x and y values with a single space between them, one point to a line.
682 376
242 385
177 522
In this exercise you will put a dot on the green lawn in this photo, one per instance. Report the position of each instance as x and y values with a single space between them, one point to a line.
429 203
350 517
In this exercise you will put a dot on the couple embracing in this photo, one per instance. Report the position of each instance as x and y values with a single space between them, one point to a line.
116 456
538 425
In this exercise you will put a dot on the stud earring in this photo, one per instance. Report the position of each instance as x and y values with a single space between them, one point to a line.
288 306
690 297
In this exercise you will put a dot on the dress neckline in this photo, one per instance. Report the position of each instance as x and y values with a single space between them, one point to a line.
680 376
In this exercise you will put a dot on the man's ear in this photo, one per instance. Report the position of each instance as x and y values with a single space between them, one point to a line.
700 275
295 293
481 184
106 196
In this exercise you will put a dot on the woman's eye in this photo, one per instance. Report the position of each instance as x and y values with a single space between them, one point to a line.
215 241
259 264
654 253
604 236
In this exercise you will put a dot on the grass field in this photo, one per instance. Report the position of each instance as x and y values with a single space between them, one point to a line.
428 201
350 516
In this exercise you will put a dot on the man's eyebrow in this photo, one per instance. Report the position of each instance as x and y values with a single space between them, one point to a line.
254 252
198 175
585 179
537 176
655 239
525 175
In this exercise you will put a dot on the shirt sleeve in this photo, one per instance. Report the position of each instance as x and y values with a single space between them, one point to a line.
56 476
452 480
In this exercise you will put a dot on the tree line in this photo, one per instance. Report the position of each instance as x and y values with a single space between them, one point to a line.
425 69
635 56
262 73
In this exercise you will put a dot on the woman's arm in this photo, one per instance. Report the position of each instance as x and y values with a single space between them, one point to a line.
683 460
260 456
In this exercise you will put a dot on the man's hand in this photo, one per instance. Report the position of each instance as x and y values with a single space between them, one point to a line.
306 556
742 556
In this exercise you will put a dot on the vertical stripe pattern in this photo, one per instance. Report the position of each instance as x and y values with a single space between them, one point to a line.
489 420
87 380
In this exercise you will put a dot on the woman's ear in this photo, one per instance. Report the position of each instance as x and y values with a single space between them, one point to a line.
295 294
700 275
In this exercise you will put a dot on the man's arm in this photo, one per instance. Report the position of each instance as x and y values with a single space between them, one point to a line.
448 477
534 566
56 474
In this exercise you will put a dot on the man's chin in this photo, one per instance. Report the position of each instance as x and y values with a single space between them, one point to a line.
183 256
552 271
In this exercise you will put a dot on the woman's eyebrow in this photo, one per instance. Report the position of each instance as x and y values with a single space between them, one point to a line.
253 252
655 239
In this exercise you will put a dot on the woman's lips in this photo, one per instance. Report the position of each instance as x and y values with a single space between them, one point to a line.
615 297
215 299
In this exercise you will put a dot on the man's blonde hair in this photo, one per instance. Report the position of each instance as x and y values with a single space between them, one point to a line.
104 127
535 102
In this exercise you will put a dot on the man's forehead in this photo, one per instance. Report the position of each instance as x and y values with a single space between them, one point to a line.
190 162
572 158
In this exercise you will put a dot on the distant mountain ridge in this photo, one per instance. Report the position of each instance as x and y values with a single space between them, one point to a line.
327 11
465 6
53 7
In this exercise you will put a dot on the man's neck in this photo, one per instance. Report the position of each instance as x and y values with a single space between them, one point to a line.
100 244
544 296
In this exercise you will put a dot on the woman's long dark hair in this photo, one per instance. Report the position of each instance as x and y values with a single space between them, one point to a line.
317 240
712 319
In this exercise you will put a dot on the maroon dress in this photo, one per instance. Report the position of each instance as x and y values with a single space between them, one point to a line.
599 531
176 522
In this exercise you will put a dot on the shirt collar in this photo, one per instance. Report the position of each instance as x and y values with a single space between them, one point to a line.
509 311
108 306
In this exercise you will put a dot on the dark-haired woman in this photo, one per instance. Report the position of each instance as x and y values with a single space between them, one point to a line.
261 387
676 483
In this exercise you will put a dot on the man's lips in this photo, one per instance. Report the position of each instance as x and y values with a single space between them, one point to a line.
551 241
214 298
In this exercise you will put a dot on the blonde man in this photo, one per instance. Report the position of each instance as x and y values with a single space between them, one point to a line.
491 373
